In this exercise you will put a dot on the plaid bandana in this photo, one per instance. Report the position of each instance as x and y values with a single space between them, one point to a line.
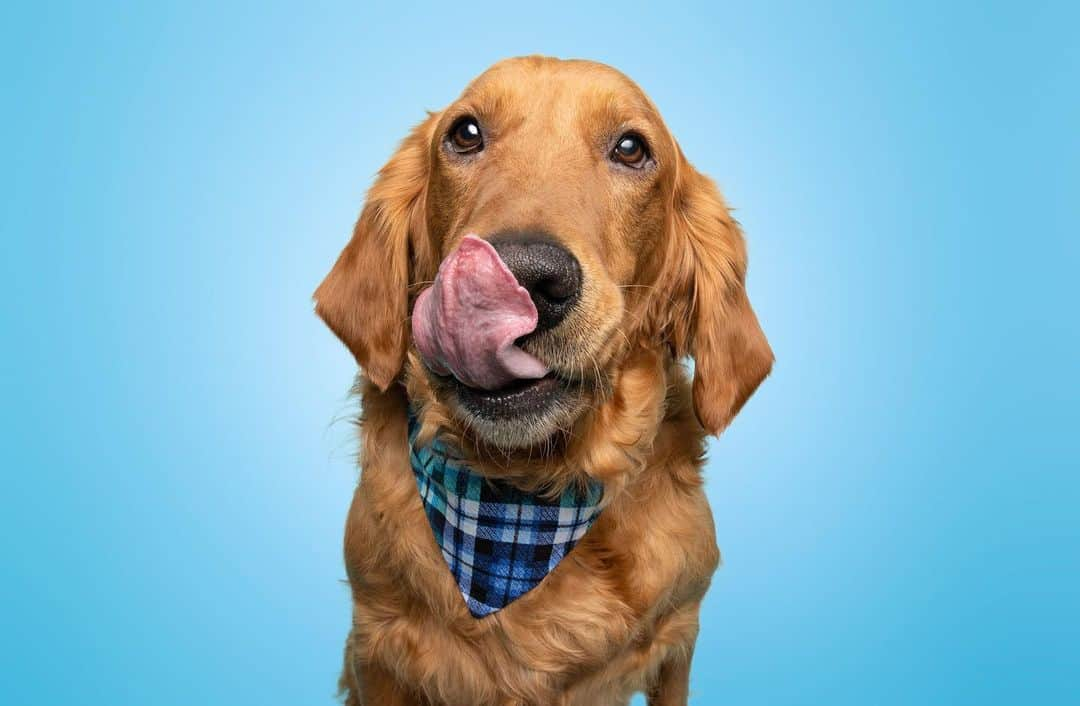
498 541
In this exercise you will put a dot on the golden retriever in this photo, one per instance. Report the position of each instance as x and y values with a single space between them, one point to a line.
574 153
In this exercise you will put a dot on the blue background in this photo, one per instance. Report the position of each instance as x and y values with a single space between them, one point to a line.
897 505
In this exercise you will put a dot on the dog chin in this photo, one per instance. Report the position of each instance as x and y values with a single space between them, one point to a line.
524 414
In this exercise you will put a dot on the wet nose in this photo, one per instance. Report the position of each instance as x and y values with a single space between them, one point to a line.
546 269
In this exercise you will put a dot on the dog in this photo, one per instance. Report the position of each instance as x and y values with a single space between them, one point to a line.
528 274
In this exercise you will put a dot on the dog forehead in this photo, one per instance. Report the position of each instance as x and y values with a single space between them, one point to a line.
530 84
543 68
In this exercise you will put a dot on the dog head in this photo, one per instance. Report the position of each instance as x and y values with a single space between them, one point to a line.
621 258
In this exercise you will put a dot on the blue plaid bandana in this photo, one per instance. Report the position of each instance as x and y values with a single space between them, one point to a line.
498 541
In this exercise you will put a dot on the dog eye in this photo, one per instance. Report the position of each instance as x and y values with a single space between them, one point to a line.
465 136
630 150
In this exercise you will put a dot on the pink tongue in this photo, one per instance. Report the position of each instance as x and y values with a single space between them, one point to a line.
465 324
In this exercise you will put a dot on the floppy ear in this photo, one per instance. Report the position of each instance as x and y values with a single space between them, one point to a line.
364 299
711 318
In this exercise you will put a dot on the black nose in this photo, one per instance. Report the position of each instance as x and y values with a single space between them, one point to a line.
546 269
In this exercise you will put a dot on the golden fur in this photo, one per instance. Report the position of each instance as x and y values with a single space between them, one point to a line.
664 266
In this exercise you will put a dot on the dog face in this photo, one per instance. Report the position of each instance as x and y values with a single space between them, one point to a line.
568 171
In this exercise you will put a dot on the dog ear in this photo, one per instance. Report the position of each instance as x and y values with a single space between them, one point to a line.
711 318
364 299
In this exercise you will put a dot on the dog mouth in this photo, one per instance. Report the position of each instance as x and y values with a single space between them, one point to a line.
518 399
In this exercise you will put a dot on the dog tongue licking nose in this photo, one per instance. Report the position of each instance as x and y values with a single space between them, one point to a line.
465 324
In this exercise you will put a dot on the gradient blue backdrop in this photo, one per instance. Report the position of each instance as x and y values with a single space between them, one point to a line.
897 505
